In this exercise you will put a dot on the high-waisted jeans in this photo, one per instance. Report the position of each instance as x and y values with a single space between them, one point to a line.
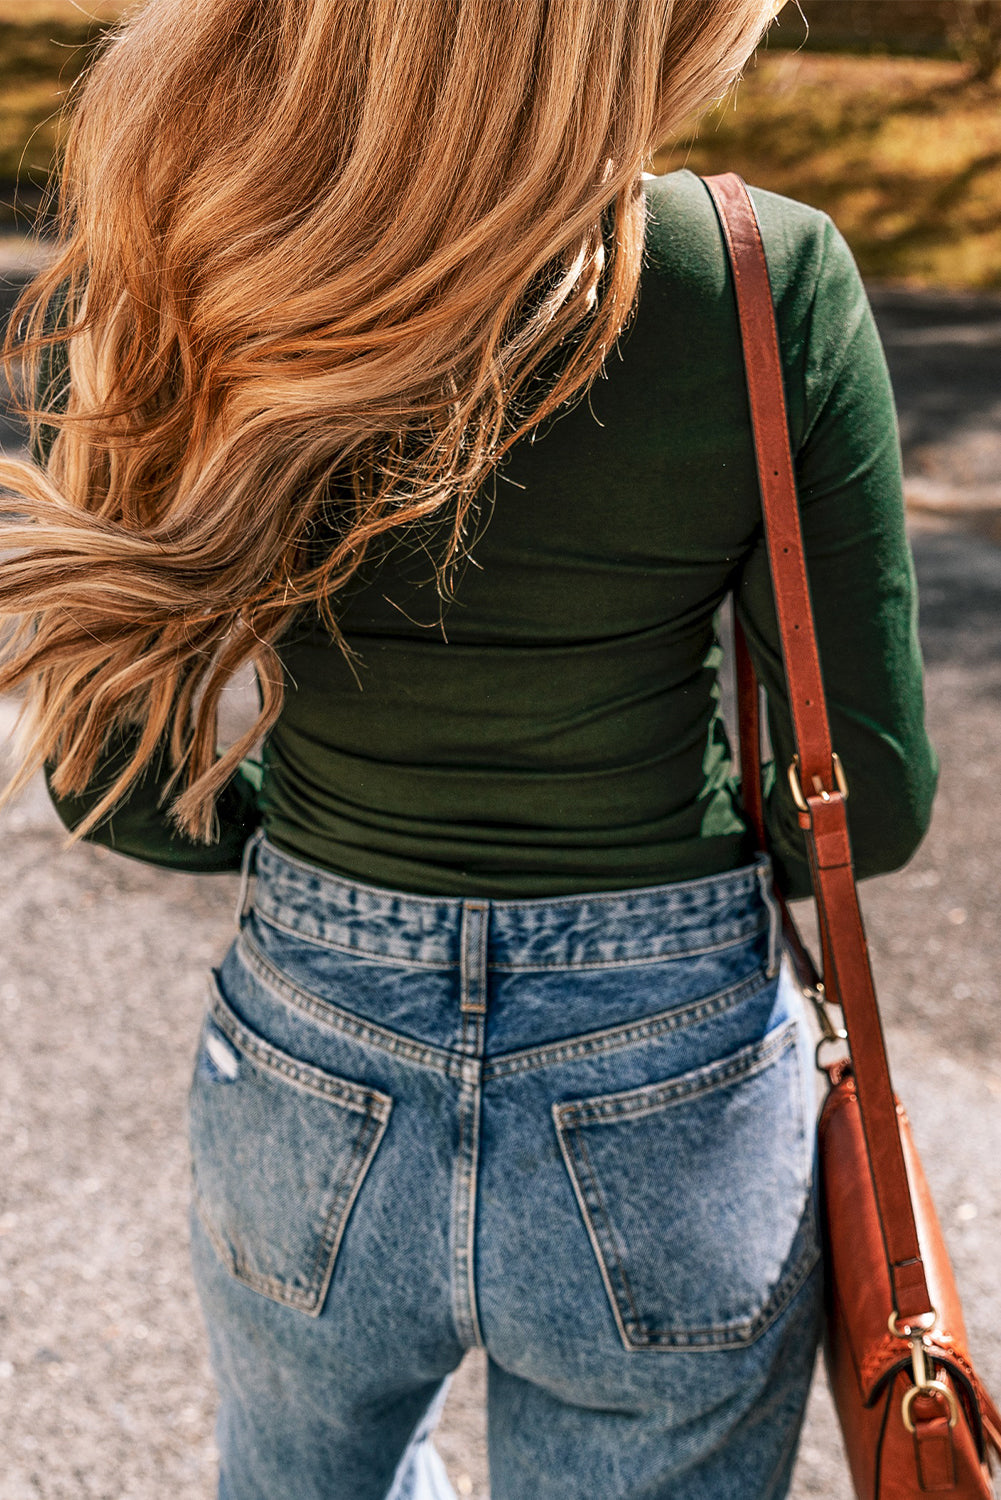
577 1133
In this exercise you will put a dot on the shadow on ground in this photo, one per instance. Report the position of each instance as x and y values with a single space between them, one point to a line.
960 590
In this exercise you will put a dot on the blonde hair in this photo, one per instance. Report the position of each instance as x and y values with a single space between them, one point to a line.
316 257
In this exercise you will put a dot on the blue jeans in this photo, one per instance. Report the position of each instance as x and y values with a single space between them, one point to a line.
576 1132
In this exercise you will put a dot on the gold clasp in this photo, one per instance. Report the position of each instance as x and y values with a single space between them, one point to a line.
923 1375
925 1384
817 996
922 1368
796 786
838 1035
933 1388
925 1324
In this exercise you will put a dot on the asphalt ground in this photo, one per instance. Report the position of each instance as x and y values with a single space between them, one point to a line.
104 1385
944 353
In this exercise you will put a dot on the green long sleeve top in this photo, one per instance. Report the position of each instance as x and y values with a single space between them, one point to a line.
556 727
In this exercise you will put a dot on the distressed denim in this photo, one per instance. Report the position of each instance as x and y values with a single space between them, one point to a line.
577 1133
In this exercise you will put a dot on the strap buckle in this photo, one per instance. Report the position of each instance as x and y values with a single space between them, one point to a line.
926 1323
922 1367
925 1384
796 786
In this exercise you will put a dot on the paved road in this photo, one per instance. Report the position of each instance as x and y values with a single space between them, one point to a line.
104 1389
944 352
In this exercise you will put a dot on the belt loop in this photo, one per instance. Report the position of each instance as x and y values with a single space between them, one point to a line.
473 957
247 868
774 916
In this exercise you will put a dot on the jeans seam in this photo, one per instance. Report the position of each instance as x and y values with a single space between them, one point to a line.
267 1286
336 1218
327 1014
566 1150
568 1119
582 1153
612 1038
611 1108
774 921
358 1098
311 1299
364 955
739 1335
745 933
741 934
464 1299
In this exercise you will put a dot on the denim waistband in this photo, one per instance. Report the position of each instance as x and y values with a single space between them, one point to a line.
678 920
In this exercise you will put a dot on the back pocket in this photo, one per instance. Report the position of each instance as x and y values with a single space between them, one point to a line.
279 1151
697 1196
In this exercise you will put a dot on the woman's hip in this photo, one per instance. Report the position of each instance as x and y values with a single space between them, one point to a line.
630 1073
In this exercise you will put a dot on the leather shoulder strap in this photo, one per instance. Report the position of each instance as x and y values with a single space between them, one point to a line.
818 785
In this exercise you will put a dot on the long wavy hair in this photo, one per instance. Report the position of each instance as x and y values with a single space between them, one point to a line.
314 260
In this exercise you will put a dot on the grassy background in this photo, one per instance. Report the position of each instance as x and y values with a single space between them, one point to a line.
44 45
904 152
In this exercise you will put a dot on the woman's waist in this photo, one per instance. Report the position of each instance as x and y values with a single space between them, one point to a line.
587 928
506 831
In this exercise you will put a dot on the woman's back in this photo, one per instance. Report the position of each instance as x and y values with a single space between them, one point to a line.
554 726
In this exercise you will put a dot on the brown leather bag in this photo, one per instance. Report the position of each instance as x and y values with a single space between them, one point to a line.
913 1414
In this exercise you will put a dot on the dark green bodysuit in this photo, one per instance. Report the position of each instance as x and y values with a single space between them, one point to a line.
555 728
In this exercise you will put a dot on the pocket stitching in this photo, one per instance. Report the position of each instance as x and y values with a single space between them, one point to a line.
611 1108
370 1104
268 1286
311 1298
739 1333
628 1033
396 1043
568 1117
360 1098
580 1147
336 1220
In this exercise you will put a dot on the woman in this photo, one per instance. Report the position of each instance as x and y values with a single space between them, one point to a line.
503 1055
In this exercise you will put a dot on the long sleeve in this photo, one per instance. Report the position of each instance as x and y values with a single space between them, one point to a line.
141 827
862 587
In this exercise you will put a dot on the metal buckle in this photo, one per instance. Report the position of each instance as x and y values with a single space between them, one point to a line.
922 1368
817 996
933 1388
796 786
925 1384
912 1330
838 1035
